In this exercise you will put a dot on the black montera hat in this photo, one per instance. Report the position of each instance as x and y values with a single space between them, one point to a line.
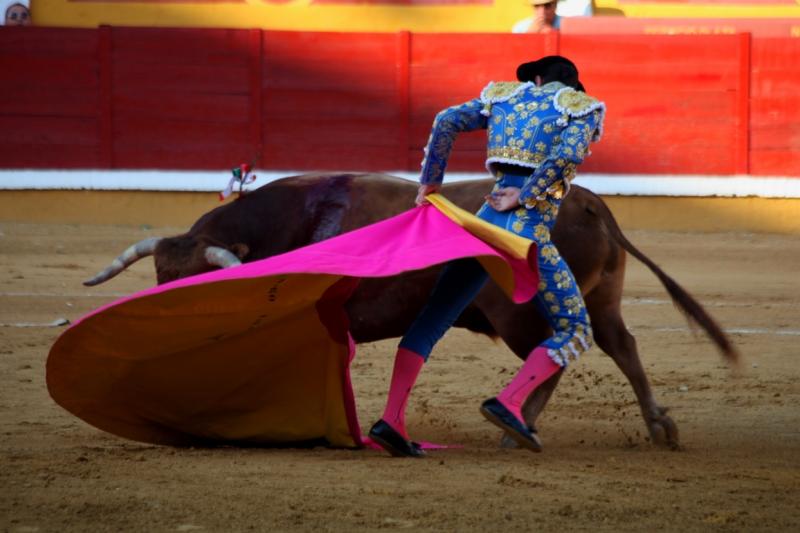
551 67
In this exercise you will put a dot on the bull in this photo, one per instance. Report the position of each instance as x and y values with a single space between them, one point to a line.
300 210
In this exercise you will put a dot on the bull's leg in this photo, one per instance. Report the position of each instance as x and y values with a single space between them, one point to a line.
613 338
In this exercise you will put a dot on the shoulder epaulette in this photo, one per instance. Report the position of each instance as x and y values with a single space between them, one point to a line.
501 91
576 103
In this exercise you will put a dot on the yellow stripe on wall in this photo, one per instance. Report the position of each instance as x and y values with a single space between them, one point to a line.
302 15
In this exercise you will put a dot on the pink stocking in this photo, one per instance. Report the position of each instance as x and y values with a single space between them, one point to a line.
407 365
535 371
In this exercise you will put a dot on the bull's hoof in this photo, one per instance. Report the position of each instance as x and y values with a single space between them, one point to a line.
663 430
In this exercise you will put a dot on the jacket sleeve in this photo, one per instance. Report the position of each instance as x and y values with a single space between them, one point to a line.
447 124
554 174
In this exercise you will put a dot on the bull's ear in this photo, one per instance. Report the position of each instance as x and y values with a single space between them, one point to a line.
240 249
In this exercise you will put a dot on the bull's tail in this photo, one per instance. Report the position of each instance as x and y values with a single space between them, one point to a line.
690 307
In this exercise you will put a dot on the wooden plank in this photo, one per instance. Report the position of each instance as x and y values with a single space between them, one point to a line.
646 63
183 78
181 46
777 136
363 77
349 157
680 104
327 47
667 133
50 71
182 57
358 132
492 52
656 51
171 132
610 158
75 131
219 155
742 150
775 107
255 98
775 162
32 41
310 104
47 101
774 64
453 85
403 97
161 104
105 97
47 154
777 111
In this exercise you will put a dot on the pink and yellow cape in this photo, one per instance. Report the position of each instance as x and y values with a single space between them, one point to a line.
259 354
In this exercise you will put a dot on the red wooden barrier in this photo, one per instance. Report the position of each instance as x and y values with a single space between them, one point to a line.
330 101
182 98
672 101
775 107
208 98
48 98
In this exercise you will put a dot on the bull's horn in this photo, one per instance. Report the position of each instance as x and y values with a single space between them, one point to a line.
125 259
221 257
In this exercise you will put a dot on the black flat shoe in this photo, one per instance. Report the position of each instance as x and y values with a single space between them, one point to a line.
497 413
393 442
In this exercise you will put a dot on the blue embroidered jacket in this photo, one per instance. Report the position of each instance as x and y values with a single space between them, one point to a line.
547 129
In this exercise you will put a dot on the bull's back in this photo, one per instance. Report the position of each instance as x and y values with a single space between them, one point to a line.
375 197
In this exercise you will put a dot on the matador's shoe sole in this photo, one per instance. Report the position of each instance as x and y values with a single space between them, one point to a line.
497 413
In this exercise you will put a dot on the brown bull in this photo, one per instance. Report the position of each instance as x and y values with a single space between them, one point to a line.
293 212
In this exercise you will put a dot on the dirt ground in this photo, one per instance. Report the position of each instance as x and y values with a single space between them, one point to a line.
738 470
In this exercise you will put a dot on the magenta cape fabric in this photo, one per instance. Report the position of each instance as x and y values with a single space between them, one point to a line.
258 354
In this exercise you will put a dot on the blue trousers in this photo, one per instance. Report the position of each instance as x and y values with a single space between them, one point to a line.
558 299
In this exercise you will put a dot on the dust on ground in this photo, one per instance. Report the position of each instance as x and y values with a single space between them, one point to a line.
739 469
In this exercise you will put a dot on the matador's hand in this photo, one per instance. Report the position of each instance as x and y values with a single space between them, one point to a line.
504 199
425 190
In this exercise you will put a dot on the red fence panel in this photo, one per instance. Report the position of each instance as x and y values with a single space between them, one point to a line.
775 107
48 98
210 98
181 98
330 101
672 101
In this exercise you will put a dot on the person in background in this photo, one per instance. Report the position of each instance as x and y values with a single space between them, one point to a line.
18 15
543 20
539 131
547 15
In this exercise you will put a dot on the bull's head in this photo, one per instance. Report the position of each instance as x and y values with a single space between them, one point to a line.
176 257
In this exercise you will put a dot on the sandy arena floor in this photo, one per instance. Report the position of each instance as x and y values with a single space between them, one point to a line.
739 469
